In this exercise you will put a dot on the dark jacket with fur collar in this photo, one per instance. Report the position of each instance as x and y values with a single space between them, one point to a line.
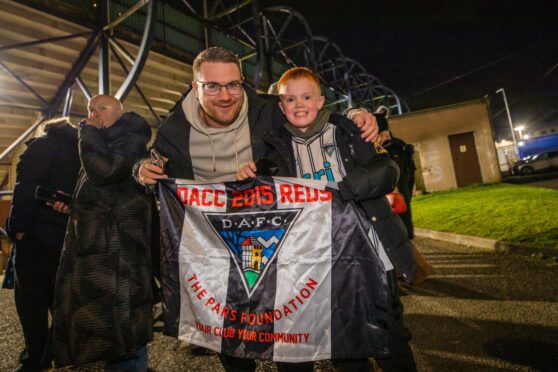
49 161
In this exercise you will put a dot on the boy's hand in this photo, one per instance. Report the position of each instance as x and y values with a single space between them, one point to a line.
367 124
248 171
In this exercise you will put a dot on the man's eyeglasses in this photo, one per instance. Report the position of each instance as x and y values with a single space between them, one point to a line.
213 89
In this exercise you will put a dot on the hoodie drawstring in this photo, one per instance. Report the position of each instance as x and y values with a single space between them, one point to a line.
236 151
212 152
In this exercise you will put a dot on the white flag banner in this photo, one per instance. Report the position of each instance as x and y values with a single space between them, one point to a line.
272 268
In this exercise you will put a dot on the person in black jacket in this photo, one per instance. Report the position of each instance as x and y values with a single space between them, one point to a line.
317 144
402 153
103 287
50 161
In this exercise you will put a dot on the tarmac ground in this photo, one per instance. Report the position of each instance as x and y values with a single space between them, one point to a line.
543 179
480 311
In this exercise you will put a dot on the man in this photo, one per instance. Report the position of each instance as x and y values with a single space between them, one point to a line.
218 127
50 161
402 154
103 292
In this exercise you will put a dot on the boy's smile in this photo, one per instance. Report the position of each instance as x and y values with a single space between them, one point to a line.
301 100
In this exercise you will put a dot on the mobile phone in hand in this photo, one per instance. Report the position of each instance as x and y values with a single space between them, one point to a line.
157 159
52 196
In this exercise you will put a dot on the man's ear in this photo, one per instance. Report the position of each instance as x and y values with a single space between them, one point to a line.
321 102
281 107
195 87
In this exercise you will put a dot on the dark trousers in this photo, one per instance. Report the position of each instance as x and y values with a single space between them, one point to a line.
351 365
400 356
232 364
35 268
136 363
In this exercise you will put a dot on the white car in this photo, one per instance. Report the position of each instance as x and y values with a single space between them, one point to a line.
536 163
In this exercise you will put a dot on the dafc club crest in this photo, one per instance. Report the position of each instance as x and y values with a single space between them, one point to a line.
329 148
253 239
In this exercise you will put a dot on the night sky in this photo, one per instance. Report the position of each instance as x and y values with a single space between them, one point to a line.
479 45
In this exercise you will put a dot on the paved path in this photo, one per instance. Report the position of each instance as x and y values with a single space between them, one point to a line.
547 180
547 184
481 311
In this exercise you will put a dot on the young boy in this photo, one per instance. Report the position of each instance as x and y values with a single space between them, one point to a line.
318 144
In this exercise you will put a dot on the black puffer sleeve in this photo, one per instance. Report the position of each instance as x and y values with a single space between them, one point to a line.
372 173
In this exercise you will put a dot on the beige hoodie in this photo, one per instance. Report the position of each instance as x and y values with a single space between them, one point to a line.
217 153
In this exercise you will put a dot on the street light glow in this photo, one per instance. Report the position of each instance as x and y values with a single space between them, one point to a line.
501 90
520 129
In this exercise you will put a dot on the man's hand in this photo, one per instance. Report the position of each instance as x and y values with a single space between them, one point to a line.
60 207
94 122
248 171
19 236
367 124
150 173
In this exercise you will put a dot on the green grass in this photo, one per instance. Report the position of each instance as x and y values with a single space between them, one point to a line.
513 213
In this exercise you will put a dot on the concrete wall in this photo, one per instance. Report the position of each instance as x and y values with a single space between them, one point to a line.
429 129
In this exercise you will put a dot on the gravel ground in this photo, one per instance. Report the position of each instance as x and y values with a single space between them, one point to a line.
166 354
11 338
480 311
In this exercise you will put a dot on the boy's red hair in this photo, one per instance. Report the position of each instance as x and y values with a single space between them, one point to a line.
298 73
